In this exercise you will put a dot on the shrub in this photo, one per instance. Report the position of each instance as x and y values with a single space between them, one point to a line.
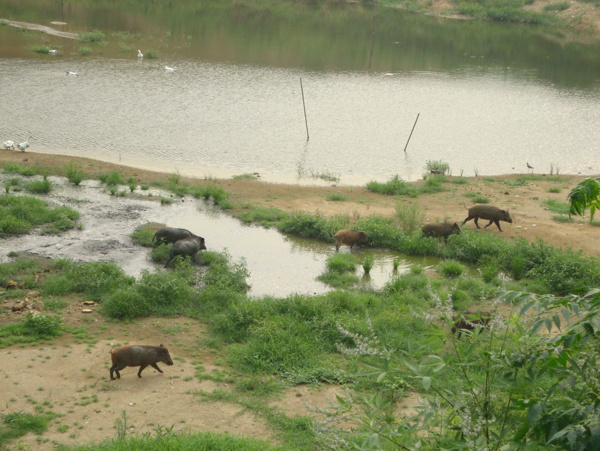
43 326
395 186
152 54
410 217
84 51
437 167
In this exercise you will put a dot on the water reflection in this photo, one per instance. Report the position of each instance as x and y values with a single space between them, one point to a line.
490 97
279 265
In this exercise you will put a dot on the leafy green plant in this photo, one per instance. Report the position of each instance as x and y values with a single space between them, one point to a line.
152 54
481 200
84 51
585 195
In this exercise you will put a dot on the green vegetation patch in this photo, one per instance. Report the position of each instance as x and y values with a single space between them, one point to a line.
19 214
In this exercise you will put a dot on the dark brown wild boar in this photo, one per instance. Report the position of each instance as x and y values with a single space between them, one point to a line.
441 230
349 237
494 214
471 321
138 355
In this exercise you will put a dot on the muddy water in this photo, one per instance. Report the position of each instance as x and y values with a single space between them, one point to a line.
279 265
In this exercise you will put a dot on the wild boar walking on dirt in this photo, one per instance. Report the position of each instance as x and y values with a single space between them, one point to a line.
350 238
138 355
493 214
441 230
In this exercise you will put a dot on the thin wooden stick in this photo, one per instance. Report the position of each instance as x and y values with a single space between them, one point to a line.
411 132
304 105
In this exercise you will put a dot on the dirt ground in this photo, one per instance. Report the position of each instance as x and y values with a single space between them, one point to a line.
71 376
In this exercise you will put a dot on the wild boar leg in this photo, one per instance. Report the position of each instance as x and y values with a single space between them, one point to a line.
155 366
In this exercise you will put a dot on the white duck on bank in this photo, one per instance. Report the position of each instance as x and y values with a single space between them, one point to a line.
24 145
71 73
170 69
9 145
140 54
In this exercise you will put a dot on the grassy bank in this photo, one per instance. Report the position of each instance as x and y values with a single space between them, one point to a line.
507 384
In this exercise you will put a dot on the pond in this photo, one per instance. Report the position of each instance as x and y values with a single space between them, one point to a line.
279 265
489 98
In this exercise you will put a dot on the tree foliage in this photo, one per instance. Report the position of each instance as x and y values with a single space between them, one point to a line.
585 195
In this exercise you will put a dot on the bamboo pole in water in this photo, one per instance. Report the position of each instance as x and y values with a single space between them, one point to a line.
411 132
304 105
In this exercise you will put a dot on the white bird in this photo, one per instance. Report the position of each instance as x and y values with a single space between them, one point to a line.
140 54
170 69
53 51
71 73
24 145
9 145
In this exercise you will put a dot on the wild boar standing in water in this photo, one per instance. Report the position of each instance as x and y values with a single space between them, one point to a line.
494 214
350 238
138 355
441 230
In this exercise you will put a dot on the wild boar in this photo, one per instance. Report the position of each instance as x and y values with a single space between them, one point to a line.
350 238
471 321
441 230
188 246
494 214
168 235
138 355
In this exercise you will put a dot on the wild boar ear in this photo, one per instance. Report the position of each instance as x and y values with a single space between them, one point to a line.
161 346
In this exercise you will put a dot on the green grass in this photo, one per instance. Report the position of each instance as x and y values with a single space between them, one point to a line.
17 424
556 206
19 214
41 49
336 197
163 438
557 7
95 36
